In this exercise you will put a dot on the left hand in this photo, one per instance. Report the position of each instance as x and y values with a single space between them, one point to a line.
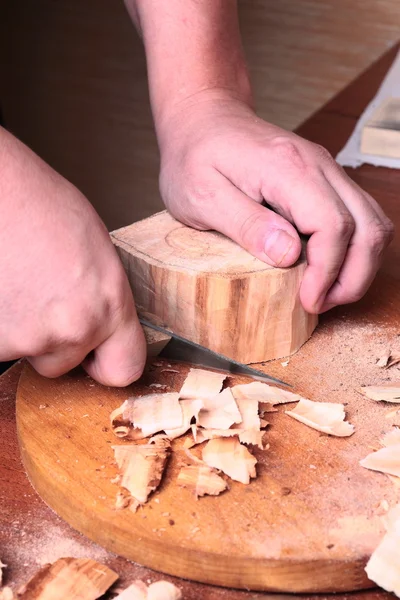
219 161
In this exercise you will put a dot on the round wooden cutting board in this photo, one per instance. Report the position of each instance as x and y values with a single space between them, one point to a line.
308 523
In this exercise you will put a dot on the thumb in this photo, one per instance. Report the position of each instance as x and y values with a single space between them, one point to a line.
120 359
260 231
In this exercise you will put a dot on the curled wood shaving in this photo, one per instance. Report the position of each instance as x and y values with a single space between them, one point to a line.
190 409
231 457
202 384
388 393
72 578
262 392
154 412
385 460
383 567
202 479
160 590
142 467
220 411
122 427
323 416
121 431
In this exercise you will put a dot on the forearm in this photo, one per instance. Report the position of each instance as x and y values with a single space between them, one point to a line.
191 46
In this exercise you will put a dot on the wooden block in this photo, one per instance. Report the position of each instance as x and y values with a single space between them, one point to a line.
381 133
204 287
155 341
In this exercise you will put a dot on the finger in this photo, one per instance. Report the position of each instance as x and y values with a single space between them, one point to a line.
318 211
119 360
59 362
262 232
357 273
372 235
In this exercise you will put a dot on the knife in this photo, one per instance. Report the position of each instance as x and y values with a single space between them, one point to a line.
180 349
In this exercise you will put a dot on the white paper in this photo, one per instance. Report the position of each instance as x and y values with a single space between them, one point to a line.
350 155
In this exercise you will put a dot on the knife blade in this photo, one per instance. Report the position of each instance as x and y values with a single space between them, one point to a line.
183 350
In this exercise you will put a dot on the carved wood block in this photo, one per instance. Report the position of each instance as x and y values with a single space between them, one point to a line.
204 287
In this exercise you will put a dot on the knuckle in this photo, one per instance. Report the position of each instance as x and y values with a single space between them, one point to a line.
323 154
380 235
288 151
249 227
73 327
342 225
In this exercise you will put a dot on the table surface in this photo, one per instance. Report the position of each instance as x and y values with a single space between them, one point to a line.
31 534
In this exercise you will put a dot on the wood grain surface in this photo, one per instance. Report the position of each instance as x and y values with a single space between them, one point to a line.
206 288
31 534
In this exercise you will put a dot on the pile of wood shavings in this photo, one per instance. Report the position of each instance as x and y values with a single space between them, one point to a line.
85 579
226 421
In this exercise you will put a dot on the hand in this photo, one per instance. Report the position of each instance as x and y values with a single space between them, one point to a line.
64 293
219 161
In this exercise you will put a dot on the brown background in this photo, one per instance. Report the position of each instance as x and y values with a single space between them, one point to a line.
73 82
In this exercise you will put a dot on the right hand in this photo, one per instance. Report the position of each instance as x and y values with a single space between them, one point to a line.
64 292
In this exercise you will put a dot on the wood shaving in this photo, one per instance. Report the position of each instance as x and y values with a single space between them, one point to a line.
231 457
121 431
202 479
6 593
394 360
384 359
262 392
154 412
142 467
388 393
220 411
190 409
121 426
202 384
160 590
163 590
72 578
385 460
383 567
323 416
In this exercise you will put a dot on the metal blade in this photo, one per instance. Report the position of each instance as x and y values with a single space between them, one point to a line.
183 350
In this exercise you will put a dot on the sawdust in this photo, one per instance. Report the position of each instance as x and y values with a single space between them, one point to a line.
45 544
361 345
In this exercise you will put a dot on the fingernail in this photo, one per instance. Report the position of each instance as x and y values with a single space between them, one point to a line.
278 245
